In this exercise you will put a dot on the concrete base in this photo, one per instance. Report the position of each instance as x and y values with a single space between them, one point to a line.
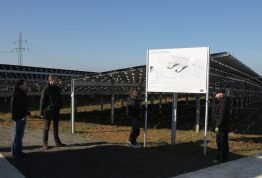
7 170
242 168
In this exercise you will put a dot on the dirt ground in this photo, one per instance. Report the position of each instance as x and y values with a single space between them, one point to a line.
98 149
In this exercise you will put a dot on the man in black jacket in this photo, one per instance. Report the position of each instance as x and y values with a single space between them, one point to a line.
50 104
222 125
19 113
133 106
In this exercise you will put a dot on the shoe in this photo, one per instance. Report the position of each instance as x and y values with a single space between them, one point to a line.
129 143
60 144
216 161
133 145
45 147
14 156
22 154
137 146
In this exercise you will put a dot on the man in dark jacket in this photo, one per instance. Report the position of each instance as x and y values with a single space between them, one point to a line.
222 125
19 113
133 106
50 104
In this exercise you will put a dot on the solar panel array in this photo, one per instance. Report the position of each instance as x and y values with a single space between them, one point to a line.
35 76
225 71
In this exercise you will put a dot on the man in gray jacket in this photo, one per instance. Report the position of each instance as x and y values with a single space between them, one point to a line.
50 105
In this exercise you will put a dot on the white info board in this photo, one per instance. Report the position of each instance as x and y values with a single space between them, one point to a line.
180 70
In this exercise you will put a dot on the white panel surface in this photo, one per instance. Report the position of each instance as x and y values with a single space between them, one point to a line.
181 70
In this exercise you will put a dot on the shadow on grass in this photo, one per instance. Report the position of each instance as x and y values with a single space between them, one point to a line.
248 139
158 120
248 121
117 161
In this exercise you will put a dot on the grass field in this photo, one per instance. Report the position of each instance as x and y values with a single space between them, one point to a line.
98 149
245 139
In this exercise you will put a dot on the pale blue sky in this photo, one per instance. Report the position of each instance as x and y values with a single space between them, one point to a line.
102 35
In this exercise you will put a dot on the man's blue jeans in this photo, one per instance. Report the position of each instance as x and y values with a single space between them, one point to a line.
19 129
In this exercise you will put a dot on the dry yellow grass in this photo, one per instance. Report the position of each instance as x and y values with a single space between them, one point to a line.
242 144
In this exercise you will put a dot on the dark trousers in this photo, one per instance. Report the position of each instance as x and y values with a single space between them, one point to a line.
222 145
135 129
51 116
19 130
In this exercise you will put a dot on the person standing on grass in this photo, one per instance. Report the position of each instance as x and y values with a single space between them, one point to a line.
19 112
50 104
222 111
133 106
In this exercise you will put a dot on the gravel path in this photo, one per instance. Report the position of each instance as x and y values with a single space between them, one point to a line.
32 141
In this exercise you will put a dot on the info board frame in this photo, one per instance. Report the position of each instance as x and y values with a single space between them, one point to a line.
175 93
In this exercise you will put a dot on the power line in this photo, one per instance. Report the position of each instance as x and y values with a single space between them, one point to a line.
20 48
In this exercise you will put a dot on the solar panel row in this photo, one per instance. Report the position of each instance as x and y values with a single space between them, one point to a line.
225 71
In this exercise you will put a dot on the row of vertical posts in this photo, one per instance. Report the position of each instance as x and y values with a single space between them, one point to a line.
237 104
